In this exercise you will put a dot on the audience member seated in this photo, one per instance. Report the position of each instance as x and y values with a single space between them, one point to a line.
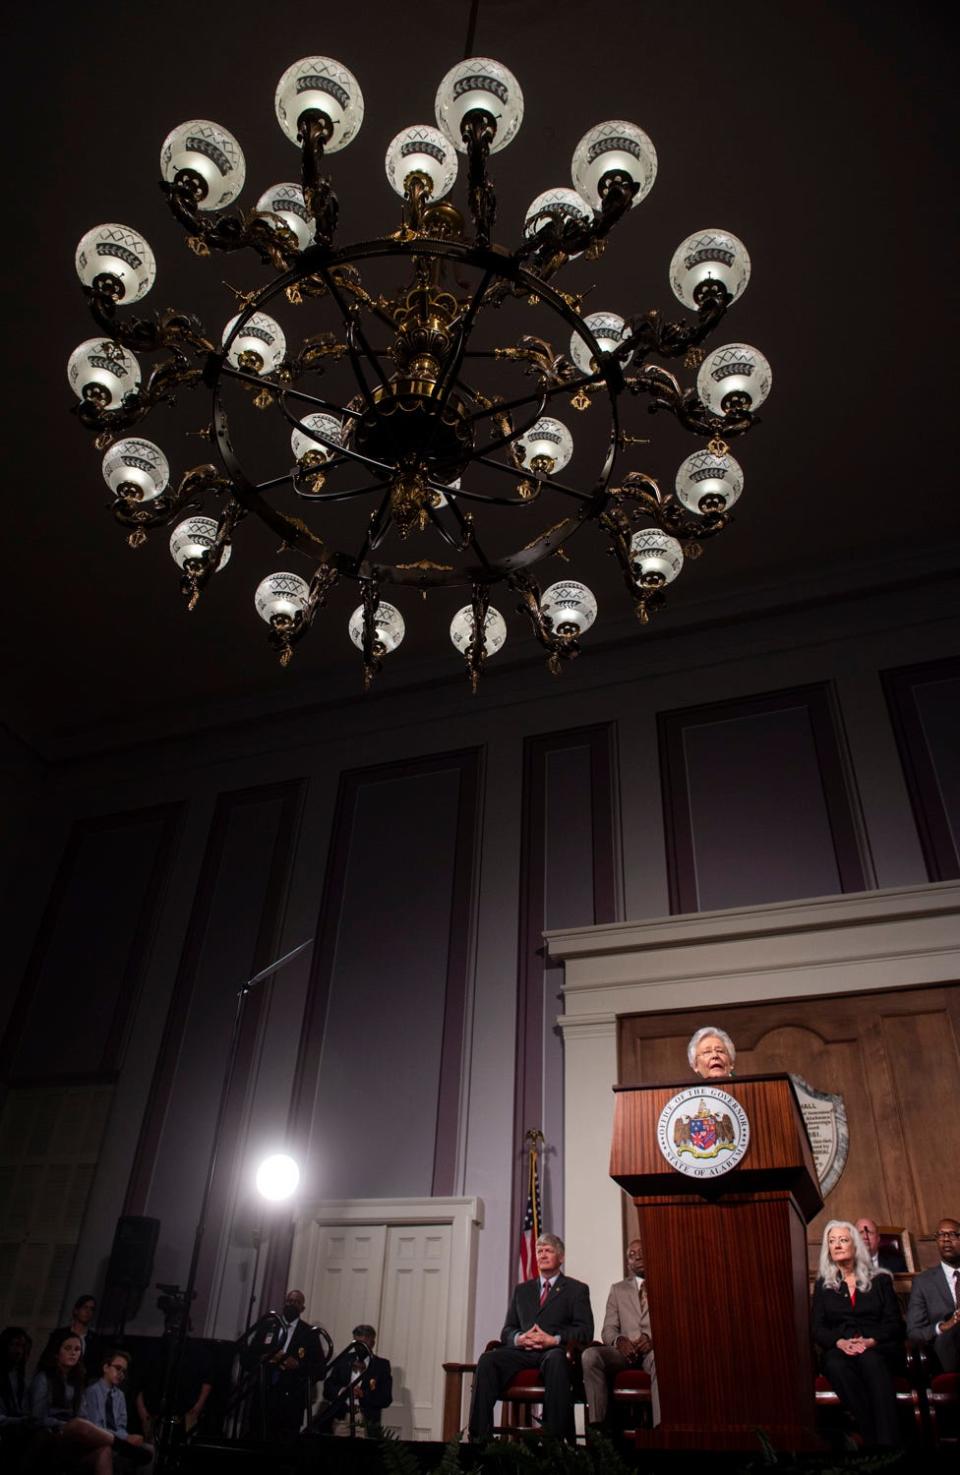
81 1320
711 1053
105 1405
882 1257
543 1315
16 1426
357 1376
15 1347
933 1315
626 1339
858 1326
65 1440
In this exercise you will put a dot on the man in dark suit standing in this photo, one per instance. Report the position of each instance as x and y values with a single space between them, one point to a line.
933 1315
358 1376
542 1316
293 1360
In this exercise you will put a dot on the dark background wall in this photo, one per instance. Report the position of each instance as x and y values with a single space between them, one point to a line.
425 839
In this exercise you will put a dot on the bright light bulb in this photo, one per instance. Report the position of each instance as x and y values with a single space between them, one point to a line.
277 1177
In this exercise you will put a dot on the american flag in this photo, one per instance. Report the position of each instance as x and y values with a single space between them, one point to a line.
530 1232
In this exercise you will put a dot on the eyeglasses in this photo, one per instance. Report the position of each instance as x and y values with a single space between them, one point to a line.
948 1234
119 1367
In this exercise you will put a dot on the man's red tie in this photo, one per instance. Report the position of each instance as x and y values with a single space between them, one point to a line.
544 1291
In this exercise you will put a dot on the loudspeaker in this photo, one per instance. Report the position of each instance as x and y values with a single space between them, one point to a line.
134 1246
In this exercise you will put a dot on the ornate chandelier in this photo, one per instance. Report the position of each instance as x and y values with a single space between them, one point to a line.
426 419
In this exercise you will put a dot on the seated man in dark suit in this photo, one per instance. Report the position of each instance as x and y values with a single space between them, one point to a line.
933 1315
542 1316
359 1375
882 1257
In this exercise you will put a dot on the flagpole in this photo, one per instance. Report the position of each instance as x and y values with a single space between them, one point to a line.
531 1227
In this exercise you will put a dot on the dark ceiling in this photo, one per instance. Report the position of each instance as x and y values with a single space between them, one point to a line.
821 134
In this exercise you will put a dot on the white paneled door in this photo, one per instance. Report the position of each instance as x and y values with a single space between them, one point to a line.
406 1266
413 1320
345 1282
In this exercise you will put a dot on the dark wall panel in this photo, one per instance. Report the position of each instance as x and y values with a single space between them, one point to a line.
568 865
84 975
377 1093
757 803
925 707
233 932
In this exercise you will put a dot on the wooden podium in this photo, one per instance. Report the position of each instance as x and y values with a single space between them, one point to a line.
726 1262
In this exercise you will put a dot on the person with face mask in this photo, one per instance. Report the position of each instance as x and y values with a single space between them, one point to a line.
292 1360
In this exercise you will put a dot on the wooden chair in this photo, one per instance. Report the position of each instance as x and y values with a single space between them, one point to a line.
631 1396
898 1237
522 1395
909 1403
943 1407
525 1392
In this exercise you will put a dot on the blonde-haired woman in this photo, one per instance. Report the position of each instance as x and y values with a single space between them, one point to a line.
859 1329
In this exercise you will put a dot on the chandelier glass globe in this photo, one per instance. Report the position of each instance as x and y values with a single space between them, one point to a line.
136 469
287 203
614 148
318 84
479 84
207 159
118 261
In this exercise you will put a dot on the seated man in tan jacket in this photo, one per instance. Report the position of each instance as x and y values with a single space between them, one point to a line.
626 1339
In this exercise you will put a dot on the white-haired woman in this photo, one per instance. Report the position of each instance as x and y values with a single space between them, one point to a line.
859 1329
711 1053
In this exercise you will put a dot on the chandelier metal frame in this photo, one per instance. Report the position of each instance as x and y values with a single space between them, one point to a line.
415 423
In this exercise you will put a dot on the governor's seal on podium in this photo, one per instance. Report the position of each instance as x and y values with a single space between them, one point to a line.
703 1132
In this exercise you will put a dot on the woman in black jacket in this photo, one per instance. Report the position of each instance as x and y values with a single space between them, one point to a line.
858 1327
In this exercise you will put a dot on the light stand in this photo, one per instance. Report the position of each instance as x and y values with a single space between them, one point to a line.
168 1423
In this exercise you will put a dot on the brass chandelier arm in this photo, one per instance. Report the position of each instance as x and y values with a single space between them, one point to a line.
646 601
651 334
476 651
353 325
348 280
377 528
556 241
665 394
274 243
504 407
166 329
349 494
286 631
315 130
452 369
303 395
197 573
519 473
477 129
166 377
560 648
642 495
508 432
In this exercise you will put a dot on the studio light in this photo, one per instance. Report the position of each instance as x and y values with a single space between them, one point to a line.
278 1177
